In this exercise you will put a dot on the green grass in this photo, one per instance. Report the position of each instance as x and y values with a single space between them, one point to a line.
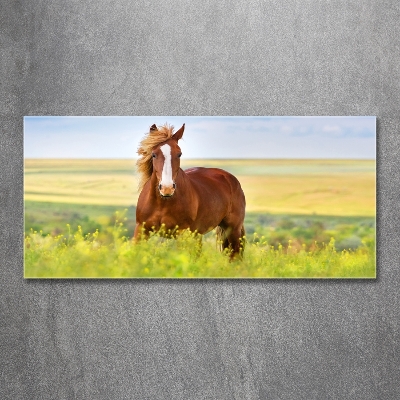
75 255
51 218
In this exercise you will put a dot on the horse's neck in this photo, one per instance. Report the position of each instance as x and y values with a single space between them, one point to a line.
185 197
183 180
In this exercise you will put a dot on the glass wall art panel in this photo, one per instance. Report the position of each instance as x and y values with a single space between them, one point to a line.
199 197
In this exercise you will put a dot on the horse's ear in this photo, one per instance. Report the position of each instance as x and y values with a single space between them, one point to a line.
153 128
179 133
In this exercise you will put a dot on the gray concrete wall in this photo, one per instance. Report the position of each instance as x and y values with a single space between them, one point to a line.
202 339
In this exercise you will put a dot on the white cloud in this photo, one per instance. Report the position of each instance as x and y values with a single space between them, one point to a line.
332 129
286 129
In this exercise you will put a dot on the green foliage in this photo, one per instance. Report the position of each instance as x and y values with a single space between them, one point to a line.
349 232
51 218
112 254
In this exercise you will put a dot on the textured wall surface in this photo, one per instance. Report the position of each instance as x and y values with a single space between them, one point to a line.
203 339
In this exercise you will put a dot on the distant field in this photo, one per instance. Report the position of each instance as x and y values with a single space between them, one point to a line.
323 187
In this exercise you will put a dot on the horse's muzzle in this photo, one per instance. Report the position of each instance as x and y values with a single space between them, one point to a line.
166 191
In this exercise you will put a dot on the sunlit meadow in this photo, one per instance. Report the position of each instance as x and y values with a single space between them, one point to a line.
305 218
79 255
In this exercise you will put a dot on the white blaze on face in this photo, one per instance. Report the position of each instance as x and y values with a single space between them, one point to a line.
166 177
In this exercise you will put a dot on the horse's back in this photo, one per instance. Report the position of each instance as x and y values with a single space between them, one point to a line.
216 181
199 175
209 173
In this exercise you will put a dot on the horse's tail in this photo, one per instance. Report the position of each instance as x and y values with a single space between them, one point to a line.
220 237
222 241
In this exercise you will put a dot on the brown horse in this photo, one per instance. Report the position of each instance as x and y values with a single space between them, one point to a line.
198 199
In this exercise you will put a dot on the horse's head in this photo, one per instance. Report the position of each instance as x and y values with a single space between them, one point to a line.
166 163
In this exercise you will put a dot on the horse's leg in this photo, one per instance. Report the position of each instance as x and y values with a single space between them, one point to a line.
235 239
222 241
225 244
199 246
232 239
140 232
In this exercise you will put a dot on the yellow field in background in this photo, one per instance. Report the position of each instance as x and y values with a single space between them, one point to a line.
326 187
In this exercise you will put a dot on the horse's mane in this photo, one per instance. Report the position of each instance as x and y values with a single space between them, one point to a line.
144 164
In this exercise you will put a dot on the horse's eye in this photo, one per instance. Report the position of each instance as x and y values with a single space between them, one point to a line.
179 154
153 155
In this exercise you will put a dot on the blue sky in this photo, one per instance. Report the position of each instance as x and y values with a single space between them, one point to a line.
204 137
